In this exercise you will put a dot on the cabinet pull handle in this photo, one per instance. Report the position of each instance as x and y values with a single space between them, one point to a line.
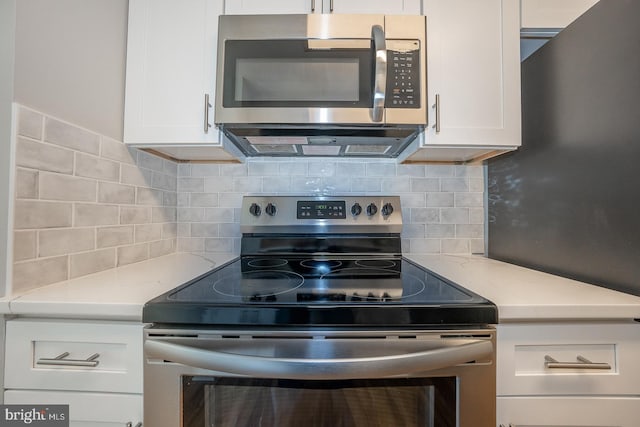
331 6
313 5
130 424
436 106
582 363
61 359
207 105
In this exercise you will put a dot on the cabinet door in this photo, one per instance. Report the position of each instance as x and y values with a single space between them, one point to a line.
473 69
559 411
76 356
262 7
171 59
387 7
85 409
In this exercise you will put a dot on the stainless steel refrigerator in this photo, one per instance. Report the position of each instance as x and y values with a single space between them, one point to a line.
568 202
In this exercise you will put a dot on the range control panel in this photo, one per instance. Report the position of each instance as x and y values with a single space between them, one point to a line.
288 214
403 74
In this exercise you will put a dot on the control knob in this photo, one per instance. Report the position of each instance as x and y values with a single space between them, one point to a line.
356 209
387 209
270 209
372 209
254 209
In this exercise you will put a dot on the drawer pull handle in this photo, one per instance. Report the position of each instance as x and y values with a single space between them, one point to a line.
91 361
582 363
130 424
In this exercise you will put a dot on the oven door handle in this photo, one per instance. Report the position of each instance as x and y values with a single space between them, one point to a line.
452 352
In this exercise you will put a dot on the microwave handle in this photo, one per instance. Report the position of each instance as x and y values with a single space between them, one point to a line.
380 82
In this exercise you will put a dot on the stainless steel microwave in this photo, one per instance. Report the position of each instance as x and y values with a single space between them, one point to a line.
337 85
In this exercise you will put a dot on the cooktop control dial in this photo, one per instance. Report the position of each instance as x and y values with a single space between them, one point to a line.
254 209
270 209
372 209
356 209
387 209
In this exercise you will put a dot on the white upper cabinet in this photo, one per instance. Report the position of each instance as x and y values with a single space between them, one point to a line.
388 7
262 7
473 69
540 14
383 7
171 60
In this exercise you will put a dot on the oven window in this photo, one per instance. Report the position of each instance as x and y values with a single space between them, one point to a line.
287 73
243 402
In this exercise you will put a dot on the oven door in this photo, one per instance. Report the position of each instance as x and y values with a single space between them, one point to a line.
355 378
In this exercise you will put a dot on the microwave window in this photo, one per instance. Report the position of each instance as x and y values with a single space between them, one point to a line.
297 79
295 73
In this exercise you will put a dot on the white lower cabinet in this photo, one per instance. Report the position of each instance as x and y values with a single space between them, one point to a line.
563 411
95 367
85 409
568 374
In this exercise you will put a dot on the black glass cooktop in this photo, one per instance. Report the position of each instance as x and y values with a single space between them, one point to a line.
300 291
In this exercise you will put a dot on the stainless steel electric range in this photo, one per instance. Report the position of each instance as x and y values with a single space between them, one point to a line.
321 303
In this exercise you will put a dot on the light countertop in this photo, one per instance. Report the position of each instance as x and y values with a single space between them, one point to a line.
521 294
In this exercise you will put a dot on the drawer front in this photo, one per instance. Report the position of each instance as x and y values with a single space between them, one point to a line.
568 359
568 411
85 409
67 355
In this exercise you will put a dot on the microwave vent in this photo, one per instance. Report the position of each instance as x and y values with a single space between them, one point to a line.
363 149
275 149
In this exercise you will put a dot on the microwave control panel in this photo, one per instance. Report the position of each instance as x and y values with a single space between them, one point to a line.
403 74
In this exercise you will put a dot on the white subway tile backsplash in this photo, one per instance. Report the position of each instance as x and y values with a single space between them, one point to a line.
95 167
85 214
443 200
148 232
118 235
30 124
24 245
149 161
190 185
32 214
204 229
92 262
455 246
39 272
54 186
65 241
75 202
69 136
26 184
121 205
43 157
135 215
133 175
116 150
148 196
454 216
204 199
109 192
161 247
454 184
